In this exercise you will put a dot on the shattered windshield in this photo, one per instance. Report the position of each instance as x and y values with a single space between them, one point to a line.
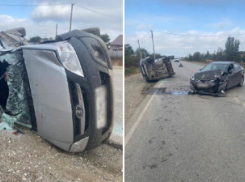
13 103
210 67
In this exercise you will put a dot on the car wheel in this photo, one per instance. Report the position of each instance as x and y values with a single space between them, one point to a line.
241 82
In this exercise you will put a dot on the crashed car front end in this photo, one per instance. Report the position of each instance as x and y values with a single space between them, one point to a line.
68 91
209 83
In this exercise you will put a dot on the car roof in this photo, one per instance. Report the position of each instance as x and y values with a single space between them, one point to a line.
222 62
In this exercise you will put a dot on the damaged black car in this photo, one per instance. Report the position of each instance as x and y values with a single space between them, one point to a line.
153 70
216 77
60 89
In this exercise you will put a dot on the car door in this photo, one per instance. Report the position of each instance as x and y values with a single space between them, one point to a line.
231 76
237 73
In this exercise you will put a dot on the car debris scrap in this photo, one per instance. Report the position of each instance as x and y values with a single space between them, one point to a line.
60 89
156 69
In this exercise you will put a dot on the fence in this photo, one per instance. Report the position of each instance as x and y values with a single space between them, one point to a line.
115 54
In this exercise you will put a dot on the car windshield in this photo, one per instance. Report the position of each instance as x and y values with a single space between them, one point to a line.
213 66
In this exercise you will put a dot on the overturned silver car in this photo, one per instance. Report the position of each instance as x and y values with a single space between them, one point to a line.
60 89
156 69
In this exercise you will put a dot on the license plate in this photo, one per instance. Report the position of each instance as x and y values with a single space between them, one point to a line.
101 105
202 85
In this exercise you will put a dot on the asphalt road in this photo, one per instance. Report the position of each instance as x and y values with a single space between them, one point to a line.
117 133
178 137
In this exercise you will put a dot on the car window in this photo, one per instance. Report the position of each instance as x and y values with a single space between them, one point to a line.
215 67
231 66
237 67
208 67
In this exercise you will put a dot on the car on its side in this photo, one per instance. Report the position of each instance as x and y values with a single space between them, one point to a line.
61 89
153 70
216 77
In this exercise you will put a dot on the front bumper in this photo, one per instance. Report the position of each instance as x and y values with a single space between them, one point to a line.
97 74
214 87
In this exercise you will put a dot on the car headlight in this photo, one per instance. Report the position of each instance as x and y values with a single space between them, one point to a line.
193 78
69 58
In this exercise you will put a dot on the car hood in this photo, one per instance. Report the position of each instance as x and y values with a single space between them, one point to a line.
208 75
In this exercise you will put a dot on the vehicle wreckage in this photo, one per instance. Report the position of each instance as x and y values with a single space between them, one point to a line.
216 77
157 69
60 89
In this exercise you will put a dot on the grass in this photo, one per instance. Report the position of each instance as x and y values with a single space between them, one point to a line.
131 71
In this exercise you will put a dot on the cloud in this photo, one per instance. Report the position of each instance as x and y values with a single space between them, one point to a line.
216 3
43 19
185 43
222 24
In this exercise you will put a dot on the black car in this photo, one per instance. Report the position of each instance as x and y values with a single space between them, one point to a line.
217 77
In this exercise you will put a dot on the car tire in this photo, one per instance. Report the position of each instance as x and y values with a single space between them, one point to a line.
241 82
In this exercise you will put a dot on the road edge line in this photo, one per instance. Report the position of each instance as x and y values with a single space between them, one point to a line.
133 128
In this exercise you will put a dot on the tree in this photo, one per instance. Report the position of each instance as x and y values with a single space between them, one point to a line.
35 39
128 50
220 55
144 52
231 48
197 56
105 38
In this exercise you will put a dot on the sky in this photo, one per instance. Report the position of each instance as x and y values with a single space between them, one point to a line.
184 27
41 20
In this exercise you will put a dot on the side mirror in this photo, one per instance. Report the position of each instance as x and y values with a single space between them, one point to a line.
200 69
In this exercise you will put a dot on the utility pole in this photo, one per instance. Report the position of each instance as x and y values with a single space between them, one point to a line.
153 44
139 49
71 16
56 30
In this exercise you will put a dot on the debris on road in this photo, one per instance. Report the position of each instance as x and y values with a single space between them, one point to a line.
180 65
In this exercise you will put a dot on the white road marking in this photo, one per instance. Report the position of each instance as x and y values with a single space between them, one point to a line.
239 101
135 125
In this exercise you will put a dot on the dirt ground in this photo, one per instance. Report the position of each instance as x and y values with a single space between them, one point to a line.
136 88
30 158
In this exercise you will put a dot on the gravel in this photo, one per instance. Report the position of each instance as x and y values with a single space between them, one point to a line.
136 88
28 157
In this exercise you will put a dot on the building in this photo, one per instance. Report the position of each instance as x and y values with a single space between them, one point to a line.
117 44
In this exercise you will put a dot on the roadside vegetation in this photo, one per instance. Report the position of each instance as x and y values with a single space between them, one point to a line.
230 53
132 59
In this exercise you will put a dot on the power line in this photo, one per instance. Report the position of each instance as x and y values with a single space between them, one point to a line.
62 4
203 35
145 36
145 39
34 4
100 12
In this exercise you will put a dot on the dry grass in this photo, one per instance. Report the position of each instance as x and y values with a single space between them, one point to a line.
131 71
